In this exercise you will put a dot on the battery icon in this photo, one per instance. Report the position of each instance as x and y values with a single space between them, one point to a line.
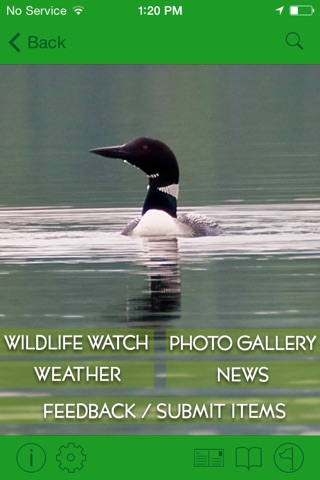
301 10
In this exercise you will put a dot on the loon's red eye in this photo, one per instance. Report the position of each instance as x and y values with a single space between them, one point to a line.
145 147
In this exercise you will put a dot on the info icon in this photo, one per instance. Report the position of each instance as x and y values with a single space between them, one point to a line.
31 457
288 457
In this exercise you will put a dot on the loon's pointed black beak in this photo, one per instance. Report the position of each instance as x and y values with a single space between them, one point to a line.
112 152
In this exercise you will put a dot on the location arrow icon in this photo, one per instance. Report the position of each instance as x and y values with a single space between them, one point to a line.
279 10
13 45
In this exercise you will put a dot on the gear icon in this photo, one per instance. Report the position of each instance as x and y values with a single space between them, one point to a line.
71 457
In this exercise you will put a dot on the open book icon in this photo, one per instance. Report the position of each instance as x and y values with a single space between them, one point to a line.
248 457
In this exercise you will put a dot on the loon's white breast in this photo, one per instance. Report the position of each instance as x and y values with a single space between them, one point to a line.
157 223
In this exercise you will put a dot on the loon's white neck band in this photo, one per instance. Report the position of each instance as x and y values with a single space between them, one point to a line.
172 189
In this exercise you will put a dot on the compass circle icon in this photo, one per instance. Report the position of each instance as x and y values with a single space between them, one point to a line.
288 457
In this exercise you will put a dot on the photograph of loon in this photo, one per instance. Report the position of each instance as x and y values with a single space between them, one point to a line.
159 214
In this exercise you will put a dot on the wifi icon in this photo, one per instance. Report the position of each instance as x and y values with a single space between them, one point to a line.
78 10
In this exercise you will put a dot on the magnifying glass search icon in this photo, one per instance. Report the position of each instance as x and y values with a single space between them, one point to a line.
293 40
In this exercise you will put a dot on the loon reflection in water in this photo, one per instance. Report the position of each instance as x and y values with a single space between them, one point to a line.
162 300
158 299
159 213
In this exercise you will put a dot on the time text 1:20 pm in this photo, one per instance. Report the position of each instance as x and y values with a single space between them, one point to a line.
156 10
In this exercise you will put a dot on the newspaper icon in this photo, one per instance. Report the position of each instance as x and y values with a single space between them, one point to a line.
213 457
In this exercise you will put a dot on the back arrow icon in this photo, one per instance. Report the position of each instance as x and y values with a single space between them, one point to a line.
13 40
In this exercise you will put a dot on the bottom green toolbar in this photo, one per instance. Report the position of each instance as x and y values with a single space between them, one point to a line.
219 457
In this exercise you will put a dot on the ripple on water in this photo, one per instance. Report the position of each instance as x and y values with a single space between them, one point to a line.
73 235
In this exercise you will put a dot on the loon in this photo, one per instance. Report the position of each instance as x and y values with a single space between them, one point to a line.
159 213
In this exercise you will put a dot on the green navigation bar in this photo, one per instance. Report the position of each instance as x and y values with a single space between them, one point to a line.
182 31
280 457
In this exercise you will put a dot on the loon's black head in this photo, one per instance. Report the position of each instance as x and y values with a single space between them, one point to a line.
157 160
152 157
